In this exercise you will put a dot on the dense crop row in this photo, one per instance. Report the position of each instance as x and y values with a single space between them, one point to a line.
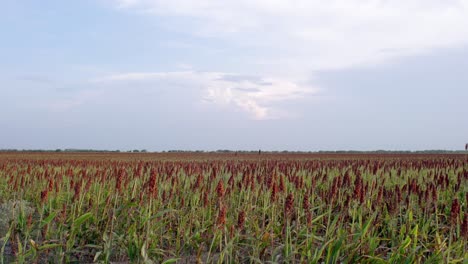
246 208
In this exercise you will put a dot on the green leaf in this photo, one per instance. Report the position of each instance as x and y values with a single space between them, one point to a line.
19 245
6 238
80 220
415 230
318 218
96 257
144 254
173 260
375 259
367 225
49 246
48 219
161 213
404 245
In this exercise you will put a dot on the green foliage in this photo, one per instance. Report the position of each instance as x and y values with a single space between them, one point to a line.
183 207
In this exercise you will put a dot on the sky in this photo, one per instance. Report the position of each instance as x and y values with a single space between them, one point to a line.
243 75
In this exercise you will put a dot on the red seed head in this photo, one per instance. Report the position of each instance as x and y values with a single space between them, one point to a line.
221 221
205 199
77 189
274 192
241 220
282 185
44 195
464 227
358 192
309 218
152 185
50 185
220 189
455 211
198 182
305 202
289 204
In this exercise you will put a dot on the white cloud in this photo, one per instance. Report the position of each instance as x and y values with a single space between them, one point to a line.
292 40
310 35
255 95
71 101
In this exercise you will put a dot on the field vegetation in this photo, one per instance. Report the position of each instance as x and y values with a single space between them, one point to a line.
233 208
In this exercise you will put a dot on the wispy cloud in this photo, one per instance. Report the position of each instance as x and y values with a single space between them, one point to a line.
258 96
72 101
308 35
283 41
38 79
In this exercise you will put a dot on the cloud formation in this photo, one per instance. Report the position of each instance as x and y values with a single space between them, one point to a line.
296 40
310 35
252 94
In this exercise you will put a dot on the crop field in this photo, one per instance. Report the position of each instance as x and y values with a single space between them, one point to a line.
233 208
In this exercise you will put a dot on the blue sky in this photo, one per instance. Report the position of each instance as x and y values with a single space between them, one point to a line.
276 75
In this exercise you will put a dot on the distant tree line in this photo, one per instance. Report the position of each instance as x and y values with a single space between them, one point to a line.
247 151
57 150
